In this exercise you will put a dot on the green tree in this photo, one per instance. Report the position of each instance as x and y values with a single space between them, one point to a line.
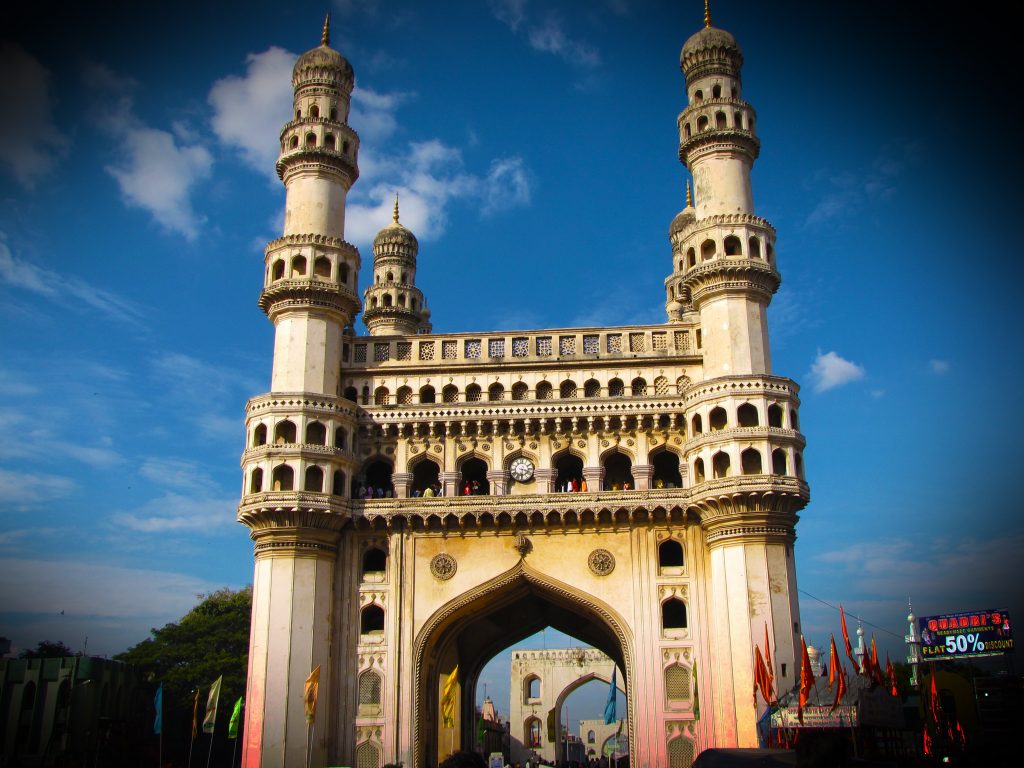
47 649
187 656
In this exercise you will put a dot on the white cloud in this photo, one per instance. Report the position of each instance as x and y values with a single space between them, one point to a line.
61 287
30 143
507 185
939 367
20 489
373 113
829 371
175 513
178 473
509 12
550 37
38 443
248 111
159 172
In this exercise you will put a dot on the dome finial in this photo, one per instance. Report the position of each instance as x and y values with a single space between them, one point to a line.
395 215
689 196
325 36
707 13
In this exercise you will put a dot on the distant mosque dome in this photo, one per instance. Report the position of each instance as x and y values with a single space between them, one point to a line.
396 235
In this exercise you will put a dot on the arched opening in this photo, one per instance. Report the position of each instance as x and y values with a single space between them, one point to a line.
732 246
367 755
427 394
351 394
388 300
698 471
616 388
567 389
737 120
314 111
687 131
311 139
746 415
697 424
721 464
284 432
754 245
698 95
369 698
716 91
450 394
673 614
544 390
618 472
316 433
338 483
256 481
259 435
322 267
329 141
283 478
371 620
314 480
750 461
721 121
680 752
666 470
495 392
568 471
691 257
638 387
343 273
378 476
779 462
718 419
401 299
293 143
798 465
775 416
702 123
794 422
474 478
375 563
366 394
670 554
591 388
473 628
531 688
334 113
277 271
519 390
473 393
390 277
768 249
425 474
381 396
707 249
404 395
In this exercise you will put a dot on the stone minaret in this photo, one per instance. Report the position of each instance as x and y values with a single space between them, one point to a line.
724 270
726 256
298 458
394 305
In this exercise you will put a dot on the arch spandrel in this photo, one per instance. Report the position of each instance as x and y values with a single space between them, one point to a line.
486 606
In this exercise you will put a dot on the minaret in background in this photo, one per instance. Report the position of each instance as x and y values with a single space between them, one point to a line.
394 305
299 446
725 259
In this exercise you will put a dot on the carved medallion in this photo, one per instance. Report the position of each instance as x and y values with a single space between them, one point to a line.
443 566
601 562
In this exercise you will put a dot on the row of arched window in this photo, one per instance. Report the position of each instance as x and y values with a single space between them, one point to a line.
544 390
299 267
731 246
285 432
314 113
716 93
282 478
751 463
311 141
399 300
722 122
747 415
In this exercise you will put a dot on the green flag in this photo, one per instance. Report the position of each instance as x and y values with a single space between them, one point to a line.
236 715
210 721
696 698
480 729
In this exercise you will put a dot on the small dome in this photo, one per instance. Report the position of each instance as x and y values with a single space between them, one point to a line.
396 234
323 58
682 220
813 652
707 39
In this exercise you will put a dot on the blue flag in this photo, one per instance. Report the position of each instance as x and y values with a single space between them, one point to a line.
609 708
158 704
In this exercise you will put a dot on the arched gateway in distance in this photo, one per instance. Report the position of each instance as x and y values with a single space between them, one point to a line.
671 553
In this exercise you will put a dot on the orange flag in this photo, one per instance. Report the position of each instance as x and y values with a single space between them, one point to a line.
890 673
769 667
833 662
310 694
876 668
846 640
806 680
759 674
840 689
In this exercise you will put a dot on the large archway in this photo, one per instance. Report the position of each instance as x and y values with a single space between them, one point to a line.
469 630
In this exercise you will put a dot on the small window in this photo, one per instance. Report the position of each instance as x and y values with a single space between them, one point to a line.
314 479
673 614
375 561
259 435
717 419
371 620
732 246
427 395
716 91
746 415
698 471
544 390
616 388
775 416
670 554
750 461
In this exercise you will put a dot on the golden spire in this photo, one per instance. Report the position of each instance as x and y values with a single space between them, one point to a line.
707 13
689 197
325 36
395 215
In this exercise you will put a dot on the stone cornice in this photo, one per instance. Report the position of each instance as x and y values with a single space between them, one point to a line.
698 107
291 125
523 409
306 293
724 275
714 139
722 220
319 160
295 450
741 385
332 243
307 402
745 434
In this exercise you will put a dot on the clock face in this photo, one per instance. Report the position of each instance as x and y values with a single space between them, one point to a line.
521 469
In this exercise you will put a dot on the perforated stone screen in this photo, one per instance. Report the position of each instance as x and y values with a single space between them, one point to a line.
520 347
404 351
496 348
567 345
360 354
449 350
614 342
367 756
591 344
369 689
677 683
636 342
473 349
680 753
381 352
544 346
426 350
682 341
659 340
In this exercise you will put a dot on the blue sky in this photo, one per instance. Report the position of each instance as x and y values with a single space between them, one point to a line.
534 148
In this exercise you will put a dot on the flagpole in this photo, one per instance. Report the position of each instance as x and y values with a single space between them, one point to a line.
209 755
234 752
309 741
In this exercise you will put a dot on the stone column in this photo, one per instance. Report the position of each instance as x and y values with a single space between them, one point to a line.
642 474
594 477
499 480
401 481
450 482
291 635
545 480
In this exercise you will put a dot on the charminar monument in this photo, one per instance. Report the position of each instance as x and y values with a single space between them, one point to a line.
419 501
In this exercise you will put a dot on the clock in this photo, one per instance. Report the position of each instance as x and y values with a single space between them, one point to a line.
521 469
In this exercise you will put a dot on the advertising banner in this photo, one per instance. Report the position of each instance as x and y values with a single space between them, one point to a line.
965 635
